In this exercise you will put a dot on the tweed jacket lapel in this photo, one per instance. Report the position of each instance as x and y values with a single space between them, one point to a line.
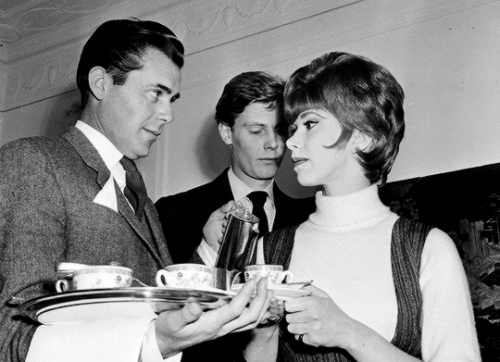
93 160
150 240
157 233
88 153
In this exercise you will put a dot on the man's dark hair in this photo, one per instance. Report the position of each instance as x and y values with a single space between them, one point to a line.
118 47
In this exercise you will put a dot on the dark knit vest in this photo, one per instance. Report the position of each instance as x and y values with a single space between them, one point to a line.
408 238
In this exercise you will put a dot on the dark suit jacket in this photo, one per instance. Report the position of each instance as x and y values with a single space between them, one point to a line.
47 215
183 215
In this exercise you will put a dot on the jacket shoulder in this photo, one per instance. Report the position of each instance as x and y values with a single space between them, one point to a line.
27 153
203 195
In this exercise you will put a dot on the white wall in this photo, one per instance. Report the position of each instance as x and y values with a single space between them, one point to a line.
446 55
50 117
448 62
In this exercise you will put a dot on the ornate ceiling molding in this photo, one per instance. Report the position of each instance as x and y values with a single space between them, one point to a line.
30 18
44 65
47 24
40 77
37 71
205 24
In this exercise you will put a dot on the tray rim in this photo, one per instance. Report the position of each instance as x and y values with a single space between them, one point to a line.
34 307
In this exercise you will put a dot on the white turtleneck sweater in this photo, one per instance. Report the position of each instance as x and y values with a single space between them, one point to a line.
345 248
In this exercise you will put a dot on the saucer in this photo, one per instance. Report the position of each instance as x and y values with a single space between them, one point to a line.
281 292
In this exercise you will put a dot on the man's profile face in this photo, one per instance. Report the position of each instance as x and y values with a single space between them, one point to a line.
133 114
257 146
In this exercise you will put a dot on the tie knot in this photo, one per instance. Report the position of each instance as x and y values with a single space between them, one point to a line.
258 198
128 165
133 177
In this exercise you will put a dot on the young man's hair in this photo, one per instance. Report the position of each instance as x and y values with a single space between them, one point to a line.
247 88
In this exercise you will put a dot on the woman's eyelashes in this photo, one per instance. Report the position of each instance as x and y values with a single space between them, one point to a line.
310 124
305 124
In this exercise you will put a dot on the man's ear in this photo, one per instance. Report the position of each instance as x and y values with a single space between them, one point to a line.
225 133
97 82
361 141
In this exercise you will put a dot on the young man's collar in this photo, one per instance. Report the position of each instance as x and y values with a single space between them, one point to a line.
241 189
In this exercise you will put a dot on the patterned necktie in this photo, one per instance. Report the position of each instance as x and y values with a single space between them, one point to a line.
258 199
135 189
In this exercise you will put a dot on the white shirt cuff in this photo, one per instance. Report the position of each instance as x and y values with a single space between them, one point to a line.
150 351
260 251
207 254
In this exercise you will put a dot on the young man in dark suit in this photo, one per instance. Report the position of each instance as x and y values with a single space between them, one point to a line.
250 120
79 198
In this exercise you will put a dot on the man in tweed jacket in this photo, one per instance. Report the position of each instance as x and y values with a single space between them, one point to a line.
62 200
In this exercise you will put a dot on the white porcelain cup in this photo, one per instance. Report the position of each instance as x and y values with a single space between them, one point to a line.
96 277
274 273
193 276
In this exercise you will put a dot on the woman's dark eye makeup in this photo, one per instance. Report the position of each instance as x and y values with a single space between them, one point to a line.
310 122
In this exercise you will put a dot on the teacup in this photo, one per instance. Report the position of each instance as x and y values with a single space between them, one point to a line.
96 277
274 273
194 276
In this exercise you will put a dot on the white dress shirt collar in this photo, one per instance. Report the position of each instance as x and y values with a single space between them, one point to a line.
241 189
107 150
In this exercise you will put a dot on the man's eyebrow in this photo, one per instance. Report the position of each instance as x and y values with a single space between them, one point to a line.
167 90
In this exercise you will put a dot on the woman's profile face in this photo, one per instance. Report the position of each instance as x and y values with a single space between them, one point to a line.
315 161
